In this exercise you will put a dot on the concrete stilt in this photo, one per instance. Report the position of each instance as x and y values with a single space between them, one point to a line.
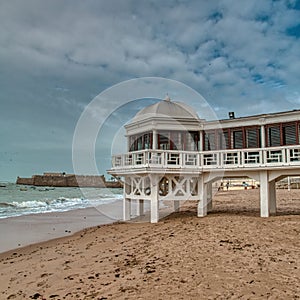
272 196
176 205
154 212
264 194
126 201
209 197
126 209
202 203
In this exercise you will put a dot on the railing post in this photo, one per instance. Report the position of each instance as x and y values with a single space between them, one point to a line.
181 160
220 159
264 156
243 157
283 152
163 159
288 155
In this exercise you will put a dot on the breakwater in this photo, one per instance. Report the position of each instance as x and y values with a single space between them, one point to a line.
68 180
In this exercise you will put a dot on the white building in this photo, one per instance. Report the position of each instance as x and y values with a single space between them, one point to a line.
174 155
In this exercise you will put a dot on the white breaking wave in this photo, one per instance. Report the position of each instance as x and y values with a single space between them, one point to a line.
15 208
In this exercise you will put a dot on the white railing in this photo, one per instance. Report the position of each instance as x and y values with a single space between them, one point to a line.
225 159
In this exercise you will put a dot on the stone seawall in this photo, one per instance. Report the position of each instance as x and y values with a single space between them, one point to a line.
68 180
25 181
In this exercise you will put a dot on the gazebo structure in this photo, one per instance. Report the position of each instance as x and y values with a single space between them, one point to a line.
174 155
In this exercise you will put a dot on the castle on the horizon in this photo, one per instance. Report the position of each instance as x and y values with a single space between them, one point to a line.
68 180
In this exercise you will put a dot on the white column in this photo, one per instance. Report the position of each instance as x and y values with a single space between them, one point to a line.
209 197
272 196
202 203
126 209
154 139
154 213
176 204
263 136
264 194
126 200
201 132
139 207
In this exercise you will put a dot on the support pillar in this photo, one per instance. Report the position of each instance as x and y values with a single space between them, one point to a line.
202 203
209 197
264 194
154 212
272 196
176 204
126 200
126 209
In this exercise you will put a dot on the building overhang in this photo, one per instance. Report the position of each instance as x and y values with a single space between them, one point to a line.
263 119
160 123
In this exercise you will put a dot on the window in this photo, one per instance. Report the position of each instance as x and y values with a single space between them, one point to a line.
210 141
176 140
252 137
147 140
274 136
237 139
140 142
289 134
164 141
192 141
223 140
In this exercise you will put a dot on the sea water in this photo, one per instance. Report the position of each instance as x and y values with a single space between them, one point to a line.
17 200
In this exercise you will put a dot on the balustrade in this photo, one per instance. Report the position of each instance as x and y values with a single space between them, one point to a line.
226 159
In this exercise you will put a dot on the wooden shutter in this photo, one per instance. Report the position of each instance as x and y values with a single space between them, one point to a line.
252 138
289 134
237 139
274 136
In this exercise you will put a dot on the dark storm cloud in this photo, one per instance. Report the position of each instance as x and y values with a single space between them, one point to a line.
55 56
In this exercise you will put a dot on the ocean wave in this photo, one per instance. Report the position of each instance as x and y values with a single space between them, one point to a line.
61 201
29 204
51 205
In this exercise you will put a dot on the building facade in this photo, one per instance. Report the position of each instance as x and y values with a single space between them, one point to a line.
172 154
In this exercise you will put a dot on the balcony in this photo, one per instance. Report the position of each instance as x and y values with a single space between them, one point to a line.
208 160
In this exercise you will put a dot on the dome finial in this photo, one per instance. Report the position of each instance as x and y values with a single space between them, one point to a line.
167 98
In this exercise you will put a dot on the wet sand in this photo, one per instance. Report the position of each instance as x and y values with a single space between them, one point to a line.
24 230
230 254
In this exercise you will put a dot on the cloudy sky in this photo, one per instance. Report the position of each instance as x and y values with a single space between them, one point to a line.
57 55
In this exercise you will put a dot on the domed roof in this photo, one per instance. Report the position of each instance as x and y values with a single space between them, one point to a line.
168 109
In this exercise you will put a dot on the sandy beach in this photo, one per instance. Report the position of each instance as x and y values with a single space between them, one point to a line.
24 230
230 254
